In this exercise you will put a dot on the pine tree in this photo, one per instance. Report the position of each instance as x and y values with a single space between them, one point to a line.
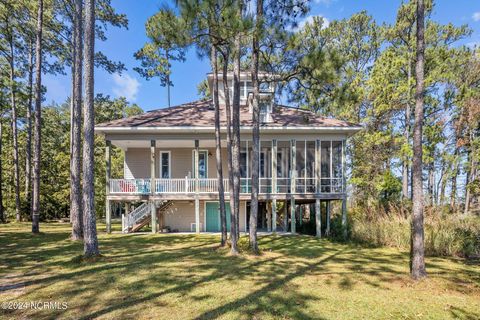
256 128
89 220
76 136
418 246
38 122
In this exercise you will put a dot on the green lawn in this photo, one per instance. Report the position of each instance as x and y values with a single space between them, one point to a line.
187 276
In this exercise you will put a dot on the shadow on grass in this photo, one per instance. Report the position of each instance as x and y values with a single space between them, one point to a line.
147 269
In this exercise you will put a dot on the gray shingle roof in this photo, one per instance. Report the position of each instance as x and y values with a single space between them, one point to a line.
202 114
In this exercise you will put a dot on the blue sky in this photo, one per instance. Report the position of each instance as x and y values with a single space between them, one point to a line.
121 45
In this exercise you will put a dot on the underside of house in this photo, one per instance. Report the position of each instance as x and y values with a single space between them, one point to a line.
170 173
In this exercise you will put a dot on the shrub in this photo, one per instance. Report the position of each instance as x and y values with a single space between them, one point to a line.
445 234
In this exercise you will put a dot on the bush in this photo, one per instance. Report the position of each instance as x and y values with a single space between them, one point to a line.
445 234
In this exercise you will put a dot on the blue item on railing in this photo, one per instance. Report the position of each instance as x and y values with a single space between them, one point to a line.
143 187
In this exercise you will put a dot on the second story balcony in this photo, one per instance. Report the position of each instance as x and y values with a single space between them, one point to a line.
294 167
210 185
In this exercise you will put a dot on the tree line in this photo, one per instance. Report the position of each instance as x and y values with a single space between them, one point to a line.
46 37
410 83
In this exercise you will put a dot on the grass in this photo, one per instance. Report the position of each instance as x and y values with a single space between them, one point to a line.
188 276
445 234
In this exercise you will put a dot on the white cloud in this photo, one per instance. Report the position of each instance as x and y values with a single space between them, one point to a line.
125 86
309 20
473 44
476 16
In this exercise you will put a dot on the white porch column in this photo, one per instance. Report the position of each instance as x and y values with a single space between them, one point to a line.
344 190
301 213
327 231
197 214
124 215
318 159
274 215
318 218
344 178
197 201
152 186
344 217
293 175
269 217
274 166
108 161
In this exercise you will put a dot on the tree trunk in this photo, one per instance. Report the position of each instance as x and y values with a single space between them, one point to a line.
406 134
38 122
28 147
430 184
442 184
255 132
218 148
236 136
14 128
228 113
168 80
453 182
418 247
89 219
2 213
469 178
75 158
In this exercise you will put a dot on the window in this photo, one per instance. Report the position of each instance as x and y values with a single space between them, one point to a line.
245 88
165 165
265 107
279 164
202 164
337 159
243 164
325 166
265 110
264 87
263 157
248 88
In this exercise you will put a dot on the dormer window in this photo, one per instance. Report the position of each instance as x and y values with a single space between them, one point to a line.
265 111
264 87
246 87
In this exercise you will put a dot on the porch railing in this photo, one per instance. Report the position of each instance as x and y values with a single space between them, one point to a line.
210 185
130 186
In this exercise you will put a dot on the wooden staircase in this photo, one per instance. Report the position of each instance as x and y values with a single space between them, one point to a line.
142 216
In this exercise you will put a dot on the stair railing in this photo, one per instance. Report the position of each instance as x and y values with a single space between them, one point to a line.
136 215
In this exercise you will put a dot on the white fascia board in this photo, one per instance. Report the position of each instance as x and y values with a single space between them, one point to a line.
243 129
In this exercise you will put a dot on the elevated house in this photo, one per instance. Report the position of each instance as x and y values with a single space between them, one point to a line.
169 179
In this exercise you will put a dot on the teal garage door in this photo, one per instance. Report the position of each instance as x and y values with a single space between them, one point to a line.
212 211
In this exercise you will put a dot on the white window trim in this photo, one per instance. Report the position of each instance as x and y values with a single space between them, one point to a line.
193 161
243 89
169 164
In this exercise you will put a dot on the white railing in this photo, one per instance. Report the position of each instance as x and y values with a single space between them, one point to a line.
135 216
245 185
210 185
207 185
331 185
130 186
283 185
171 186
305 185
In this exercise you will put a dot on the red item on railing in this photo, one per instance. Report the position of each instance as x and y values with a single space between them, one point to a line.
127 186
